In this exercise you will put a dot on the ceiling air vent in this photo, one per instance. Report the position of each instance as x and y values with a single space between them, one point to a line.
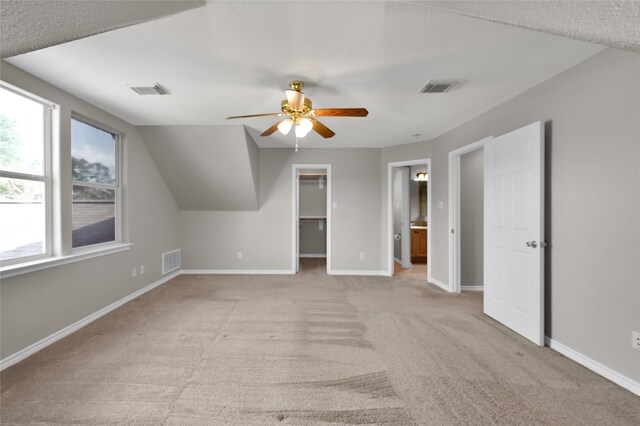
150 90
438 86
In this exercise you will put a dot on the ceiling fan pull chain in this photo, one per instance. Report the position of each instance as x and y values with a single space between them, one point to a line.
296 144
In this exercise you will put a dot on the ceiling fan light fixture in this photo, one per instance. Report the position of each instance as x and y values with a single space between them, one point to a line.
295 99
285 126
306 124
300 132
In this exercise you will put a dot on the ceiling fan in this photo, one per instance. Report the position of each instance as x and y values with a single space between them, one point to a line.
297 111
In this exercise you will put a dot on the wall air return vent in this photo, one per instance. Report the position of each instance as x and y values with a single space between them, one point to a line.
150 90
438 86
171 261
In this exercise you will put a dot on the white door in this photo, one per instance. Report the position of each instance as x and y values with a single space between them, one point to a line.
296 219
514 230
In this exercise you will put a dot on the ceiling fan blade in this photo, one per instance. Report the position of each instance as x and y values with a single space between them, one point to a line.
321 129
276 114
271 129
341 112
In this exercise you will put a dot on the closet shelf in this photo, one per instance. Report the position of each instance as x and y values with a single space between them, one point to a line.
313 176
313 218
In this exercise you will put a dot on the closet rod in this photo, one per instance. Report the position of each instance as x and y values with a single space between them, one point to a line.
312 176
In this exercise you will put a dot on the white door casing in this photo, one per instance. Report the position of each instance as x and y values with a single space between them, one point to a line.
514 230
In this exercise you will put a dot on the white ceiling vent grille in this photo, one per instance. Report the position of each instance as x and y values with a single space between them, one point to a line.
156 89
438 86
171 261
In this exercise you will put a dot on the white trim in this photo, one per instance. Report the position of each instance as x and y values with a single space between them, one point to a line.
604 371
294 212
51 262
364 273
439 283
390 233
238 271
43 343
398 261
319 255
454 210
472 288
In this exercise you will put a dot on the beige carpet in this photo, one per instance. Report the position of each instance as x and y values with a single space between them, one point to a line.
309 349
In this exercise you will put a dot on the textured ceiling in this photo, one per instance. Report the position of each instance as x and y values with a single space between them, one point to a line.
231 58
28 25
611 23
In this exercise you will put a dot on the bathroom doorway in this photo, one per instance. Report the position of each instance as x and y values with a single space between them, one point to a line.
409 213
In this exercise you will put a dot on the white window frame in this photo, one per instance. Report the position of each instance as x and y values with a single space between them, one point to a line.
117 187
45 177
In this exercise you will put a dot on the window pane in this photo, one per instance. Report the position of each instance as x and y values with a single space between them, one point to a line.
93 153
22 218
21 134
93 215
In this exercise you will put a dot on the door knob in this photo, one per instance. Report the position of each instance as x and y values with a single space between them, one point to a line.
532 244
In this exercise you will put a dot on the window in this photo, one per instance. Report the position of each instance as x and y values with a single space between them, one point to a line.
25 207
96 190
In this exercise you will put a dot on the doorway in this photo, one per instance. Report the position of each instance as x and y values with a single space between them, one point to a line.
311 225
466 223
513 230
409 213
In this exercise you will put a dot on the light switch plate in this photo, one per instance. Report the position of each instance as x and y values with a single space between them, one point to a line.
239 255
335 205
134 272
441 204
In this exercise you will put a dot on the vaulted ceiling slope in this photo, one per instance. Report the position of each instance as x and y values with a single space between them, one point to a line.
206 167
27 25
236 58
613 23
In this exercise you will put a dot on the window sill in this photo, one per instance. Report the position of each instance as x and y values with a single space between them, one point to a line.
50 262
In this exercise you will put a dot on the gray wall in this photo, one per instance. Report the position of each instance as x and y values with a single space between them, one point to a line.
206 167
210 239
592 200
472 218
37 304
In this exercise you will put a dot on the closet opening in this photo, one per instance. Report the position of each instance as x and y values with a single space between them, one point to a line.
312 217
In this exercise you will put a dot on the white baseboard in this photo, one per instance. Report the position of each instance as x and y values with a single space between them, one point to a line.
312 255
606 372
438 283
239 271
398 261
43 343
366 273
472 288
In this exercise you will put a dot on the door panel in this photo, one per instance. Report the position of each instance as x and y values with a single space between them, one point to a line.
514 217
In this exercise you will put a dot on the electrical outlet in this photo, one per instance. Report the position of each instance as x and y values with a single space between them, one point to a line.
134 272
635 340
141 269
239 255
362 256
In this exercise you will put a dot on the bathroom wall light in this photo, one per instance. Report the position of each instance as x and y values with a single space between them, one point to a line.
422 177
